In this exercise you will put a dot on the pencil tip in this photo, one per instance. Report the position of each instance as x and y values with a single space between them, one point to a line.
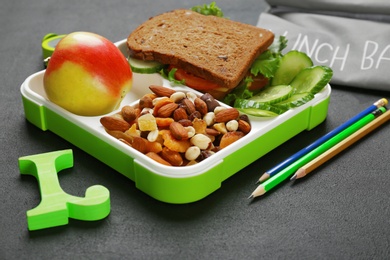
257 192
293 177
263 178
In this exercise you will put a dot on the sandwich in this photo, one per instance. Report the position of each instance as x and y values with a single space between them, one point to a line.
211 54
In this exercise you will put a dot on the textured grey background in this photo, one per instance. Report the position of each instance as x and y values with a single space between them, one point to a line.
339 212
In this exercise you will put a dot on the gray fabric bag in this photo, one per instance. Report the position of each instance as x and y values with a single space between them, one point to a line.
350 36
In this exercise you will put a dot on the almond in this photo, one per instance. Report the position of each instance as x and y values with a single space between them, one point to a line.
167 110
180 113
120 135
114 123
200 106
212 132
244 126
161 91
226 115
178 131
140 144
185 122
172 157
157 158
160 103
188 105
124 141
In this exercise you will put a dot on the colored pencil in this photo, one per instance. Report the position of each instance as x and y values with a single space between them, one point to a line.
318 161
293 167
380 103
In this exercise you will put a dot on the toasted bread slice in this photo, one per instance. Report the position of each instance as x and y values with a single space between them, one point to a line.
210 47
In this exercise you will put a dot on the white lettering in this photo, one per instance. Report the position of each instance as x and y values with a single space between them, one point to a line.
316 56
367 57
342 58
296 42
323 53
382 56
305 46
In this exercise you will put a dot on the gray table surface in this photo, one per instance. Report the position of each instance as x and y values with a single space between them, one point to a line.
339 212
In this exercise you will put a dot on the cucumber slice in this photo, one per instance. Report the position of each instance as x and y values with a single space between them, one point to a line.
290 65
312 79
273 94
145 67
258 112
251 105
295 100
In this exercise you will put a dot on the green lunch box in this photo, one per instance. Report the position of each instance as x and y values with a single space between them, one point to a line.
169 184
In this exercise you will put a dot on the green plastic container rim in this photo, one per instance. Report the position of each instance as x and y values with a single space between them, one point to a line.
49 42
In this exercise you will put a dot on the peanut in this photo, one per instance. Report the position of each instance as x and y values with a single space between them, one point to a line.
232 125
191 96
200 140
153 135
192 153
177 96
209 118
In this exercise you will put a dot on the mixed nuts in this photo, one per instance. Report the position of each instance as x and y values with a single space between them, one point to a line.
176 128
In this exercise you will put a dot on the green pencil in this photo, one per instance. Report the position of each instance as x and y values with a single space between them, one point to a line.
292 168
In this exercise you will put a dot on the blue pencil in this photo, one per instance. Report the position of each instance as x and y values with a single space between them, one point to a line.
380 103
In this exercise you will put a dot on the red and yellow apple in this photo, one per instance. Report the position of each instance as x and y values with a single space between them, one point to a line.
87 75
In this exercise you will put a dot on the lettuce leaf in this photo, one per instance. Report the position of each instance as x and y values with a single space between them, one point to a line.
266 64
208 9
241 91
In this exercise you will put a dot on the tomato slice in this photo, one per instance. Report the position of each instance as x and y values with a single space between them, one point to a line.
203 85
193 81
258 82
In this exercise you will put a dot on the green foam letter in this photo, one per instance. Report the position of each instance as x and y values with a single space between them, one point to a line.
57 206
